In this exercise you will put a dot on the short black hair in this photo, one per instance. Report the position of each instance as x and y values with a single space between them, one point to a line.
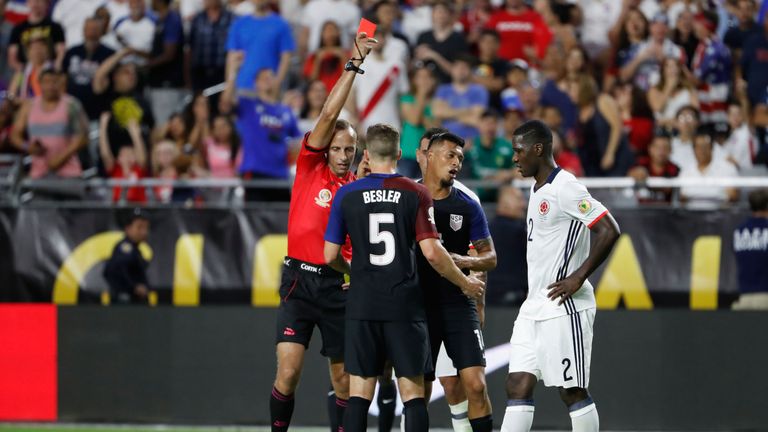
465 58
429 133
490 32
662 133
758 200
446 136
490 112
706 129
134 215
534 131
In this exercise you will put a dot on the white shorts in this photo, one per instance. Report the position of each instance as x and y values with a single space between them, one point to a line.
557 351
444 367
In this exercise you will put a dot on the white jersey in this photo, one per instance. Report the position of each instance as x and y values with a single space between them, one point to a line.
560 214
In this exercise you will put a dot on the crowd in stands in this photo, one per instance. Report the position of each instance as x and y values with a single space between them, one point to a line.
206 89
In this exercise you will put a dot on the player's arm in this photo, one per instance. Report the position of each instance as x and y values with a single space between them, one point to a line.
323 131
605 233
441 261
480 301
485 259
333 258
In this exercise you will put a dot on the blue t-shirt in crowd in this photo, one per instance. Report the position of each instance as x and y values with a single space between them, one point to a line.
750 244
263 40
265 130
754 67
551 95
474 95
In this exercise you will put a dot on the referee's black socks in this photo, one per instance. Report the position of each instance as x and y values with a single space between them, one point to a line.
280 410
416 417
356 418
482 424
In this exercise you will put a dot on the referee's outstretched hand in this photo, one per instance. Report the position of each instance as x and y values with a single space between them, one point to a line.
365 44
473 287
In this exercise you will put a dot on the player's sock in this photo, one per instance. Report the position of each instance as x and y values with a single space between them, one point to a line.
331 406
356 418
280 410
386 402
460 417
341 407
584 416
519 416
482 424
416 416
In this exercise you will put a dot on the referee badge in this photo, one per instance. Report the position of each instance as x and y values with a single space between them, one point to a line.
456 222
324 198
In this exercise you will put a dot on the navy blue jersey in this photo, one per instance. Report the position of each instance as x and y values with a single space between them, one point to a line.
460 220
750 244
385 216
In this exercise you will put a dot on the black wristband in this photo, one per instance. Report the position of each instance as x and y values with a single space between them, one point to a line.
351 67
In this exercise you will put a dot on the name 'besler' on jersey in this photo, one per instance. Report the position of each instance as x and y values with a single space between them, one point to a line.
381 196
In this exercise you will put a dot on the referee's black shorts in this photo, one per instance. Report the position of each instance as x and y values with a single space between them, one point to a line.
458 327
311 295
369 344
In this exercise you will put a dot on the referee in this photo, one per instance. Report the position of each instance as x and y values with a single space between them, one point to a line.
311 293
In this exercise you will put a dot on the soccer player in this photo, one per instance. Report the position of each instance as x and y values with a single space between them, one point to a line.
453 318
552 337
385 216
311 293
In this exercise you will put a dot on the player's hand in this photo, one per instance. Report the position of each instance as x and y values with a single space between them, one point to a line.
141 290
365 44
363 168
345 286
473 287
459 260
564 289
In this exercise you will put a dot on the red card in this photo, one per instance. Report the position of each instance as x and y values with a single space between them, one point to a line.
366 27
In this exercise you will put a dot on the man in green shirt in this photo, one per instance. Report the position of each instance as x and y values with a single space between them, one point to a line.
491 156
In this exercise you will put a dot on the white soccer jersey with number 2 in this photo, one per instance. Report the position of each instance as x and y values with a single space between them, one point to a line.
560 214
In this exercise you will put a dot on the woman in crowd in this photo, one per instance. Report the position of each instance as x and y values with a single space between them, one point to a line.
636 116
634 31
26 82
416 111
314 98
673 92
327 63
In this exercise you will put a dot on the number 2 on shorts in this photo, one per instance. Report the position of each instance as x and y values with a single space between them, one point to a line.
567 363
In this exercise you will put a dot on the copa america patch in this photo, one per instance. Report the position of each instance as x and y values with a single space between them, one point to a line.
456 221
324 198
584 206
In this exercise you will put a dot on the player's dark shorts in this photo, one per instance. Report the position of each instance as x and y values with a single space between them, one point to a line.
370 343
311 295
458 326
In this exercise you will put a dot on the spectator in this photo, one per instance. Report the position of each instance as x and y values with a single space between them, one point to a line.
417 19
222 149
599 18
327 63
130 163
118 83
460 104
644 64
81 63
508 284
197 117
576 67
515 78
604 151
385 13
553 74
376 98
711 69
7 115
263 40
636 116
474 19
316 13
737 35
416 111
530 99
166 62
442 44
633 34
741 146
314 98
37 26
684 36
673 91
559 18
513 118
754 67
177 129
656 164
524 35
706 167
126 269
682 144
26 83
6 72
564 157
164 155
207 46
71 15
491 71
490 156
135 32
55 126
750 246
266 128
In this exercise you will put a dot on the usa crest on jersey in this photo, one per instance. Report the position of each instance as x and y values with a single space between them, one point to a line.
456 222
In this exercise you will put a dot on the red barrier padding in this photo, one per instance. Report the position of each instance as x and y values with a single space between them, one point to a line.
28 362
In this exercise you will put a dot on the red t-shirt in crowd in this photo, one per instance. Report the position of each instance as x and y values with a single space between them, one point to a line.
670 170
518 31
331 68
570 162
134 194
313 191
640 133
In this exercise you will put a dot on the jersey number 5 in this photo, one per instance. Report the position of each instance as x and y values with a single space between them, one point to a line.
377 235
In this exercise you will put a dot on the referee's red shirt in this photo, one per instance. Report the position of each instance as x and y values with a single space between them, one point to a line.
314 188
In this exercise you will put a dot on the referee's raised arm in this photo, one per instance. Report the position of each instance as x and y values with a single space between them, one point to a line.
323 132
